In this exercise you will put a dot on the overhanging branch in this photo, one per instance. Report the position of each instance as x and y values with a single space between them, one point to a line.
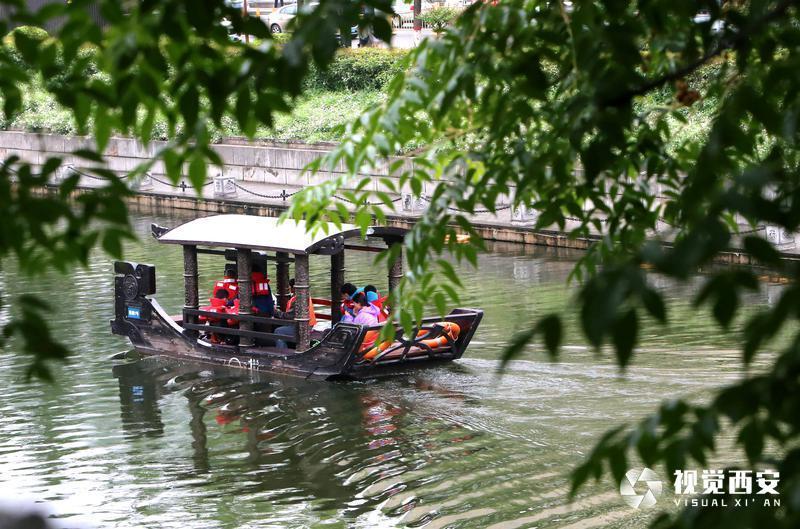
725 44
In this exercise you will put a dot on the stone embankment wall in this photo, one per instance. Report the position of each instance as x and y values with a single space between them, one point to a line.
259 178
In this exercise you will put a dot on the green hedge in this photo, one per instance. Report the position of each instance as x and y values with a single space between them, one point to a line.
359 69
9 47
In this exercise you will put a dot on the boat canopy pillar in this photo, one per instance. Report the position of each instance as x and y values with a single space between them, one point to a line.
396 266
190 280
337 280
301 316
282 272
244 265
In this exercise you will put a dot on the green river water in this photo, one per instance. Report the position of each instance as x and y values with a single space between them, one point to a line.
157 444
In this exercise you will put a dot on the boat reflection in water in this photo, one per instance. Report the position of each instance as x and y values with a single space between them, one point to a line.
333 444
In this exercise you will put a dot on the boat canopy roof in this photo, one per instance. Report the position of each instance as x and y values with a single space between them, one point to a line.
266 233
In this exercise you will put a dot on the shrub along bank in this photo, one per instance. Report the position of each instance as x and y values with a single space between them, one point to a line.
353 82
359 69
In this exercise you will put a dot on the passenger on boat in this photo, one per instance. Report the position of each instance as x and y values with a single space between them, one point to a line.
348 290
263 303
229 284
289 314
365 312
374 297
219 305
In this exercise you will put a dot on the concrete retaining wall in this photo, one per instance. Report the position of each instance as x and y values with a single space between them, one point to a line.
274 163
264 170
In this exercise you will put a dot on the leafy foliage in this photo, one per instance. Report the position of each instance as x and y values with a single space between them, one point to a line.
439 17
542 102
534 100
359 69
113 79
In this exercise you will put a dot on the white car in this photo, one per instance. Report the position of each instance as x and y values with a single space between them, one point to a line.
280 18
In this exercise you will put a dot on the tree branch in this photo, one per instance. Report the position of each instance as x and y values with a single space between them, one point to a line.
725 44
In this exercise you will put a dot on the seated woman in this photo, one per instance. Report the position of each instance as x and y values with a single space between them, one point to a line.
365 313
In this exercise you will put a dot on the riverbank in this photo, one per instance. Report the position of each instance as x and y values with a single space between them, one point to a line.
260 177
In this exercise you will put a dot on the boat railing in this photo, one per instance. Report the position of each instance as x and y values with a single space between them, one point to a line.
233 331
321 302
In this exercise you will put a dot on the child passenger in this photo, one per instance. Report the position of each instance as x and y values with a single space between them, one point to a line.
374 298
347 291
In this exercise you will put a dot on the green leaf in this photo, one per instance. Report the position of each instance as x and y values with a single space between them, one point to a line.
441 303
112 244
102 128
625 332
90 155
172 164
197 171
654 303
725 306
551 327
762 250
189 105
515 347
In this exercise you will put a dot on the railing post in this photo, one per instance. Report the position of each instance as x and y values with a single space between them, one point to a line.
244 264
396 269
191 299
337 280
301 280
283 279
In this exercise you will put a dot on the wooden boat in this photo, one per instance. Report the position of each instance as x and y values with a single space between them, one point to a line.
342 351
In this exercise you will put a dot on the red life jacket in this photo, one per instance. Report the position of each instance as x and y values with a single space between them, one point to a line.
235 310
217 305
260 284
347 304
230 285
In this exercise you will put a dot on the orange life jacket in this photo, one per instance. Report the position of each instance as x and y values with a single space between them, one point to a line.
312 317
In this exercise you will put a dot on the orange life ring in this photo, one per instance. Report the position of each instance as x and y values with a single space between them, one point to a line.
372 353
450 329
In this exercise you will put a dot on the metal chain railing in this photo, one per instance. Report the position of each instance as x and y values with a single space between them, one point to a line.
475 211
283 195
365 203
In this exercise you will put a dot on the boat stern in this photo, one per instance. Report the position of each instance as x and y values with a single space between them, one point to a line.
132 310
